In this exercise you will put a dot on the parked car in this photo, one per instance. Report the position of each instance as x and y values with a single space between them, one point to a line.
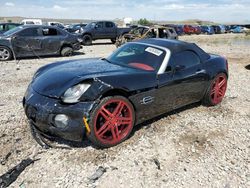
26 41
56 24
197 30
76 28
227 27
237 29
102 30
7 26
217 29
103 99
31 22
222 28
179 29
208 30
143 32
188 29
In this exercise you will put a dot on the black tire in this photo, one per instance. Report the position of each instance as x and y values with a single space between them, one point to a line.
87 40
113 41
5 53
207 99
66 51
94 115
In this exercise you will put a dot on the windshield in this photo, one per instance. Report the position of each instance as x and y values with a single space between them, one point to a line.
140 56
90 25
12 31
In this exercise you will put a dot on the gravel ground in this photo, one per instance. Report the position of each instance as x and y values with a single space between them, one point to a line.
195 146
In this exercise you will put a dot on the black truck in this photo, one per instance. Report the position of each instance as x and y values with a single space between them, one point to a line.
102 30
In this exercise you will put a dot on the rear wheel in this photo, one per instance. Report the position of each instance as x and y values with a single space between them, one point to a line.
5 53
111 122
216 90
67 51
87 40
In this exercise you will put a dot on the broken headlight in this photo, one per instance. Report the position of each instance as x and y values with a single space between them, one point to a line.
73 94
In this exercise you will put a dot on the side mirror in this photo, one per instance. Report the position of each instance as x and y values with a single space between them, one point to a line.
179 67
168 69
96 26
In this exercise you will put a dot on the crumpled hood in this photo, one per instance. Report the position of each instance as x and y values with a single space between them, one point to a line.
54 79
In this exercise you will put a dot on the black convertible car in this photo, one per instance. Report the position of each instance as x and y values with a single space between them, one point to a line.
104 98
36 40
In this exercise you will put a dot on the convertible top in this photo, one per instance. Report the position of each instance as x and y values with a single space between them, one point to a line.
176 46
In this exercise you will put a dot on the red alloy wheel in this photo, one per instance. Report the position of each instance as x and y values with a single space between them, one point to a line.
218 88
113 122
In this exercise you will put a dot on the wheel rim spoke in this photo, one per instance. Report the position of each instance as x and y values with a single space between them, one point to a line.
123 121
118 108
104 128
115 133
105 113
221 83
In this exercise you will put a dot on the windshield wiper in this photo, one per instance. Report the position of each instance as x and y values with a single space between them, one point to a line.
105 59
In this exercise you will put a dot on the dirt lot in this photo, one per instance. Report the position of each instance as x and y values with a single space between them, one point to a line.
192 147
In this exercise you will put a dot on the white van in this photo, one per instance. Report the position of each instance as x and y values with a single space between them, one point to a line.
32 22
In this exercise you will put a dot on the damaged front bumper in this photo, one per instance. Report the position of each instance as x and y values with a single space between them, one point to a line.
41 112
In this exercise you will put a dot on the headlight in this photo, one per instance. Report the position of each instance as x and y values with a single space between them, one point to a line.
73 94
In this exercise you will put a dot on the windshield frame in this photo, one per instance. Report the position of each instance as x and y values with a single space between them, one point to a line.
164 63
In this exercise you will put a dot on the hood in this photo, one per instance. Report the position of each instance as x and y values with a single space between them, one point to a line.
54 79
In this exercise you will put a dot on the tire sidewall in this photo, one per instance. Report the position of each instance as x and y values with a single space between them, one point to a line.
65 50
91 136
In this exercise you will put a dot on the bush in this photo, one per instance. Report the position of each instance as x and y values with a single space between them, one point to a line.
144 21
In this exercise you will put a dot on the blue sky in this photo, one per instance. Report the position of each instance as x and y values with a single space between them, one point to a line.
212 10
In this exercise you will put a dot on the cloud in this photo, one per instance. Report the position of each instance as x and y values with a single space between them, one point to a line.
212 10
59 8
9 4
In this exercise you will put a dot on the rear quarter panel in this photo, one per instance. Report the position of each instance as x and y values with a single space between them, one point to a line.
215 65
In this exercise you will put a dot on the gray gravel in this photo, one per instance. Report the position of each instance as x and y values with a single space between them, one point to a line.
192 147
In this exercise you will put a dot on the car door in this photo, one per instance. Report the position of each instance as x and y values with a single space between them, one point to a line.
188 78
110 30
98 31
51 40
27 42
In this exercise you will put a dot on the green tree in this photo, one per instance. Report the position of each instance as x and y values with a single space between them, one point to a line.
144 21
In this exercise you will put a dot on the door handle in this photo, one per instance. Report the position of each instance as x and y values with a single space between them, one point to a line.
200 71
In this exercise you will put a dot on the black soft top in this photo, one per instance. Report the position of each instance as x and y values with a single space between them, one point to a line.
176 46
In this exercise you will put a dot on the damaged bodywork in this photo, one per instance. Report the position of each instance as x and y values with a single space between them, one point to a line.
28 41
144 32
104 98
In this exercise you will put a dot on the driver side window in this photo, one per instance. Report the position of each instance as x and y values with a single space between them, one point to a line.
185 59
29 32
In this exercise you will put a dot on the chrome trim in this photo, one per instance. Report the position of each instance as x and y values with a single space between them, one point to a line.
166 58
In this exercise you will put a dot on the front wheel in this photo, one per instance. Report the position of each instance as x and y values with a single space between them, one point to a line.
5 54
111 122
87 40
66 51
216 90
